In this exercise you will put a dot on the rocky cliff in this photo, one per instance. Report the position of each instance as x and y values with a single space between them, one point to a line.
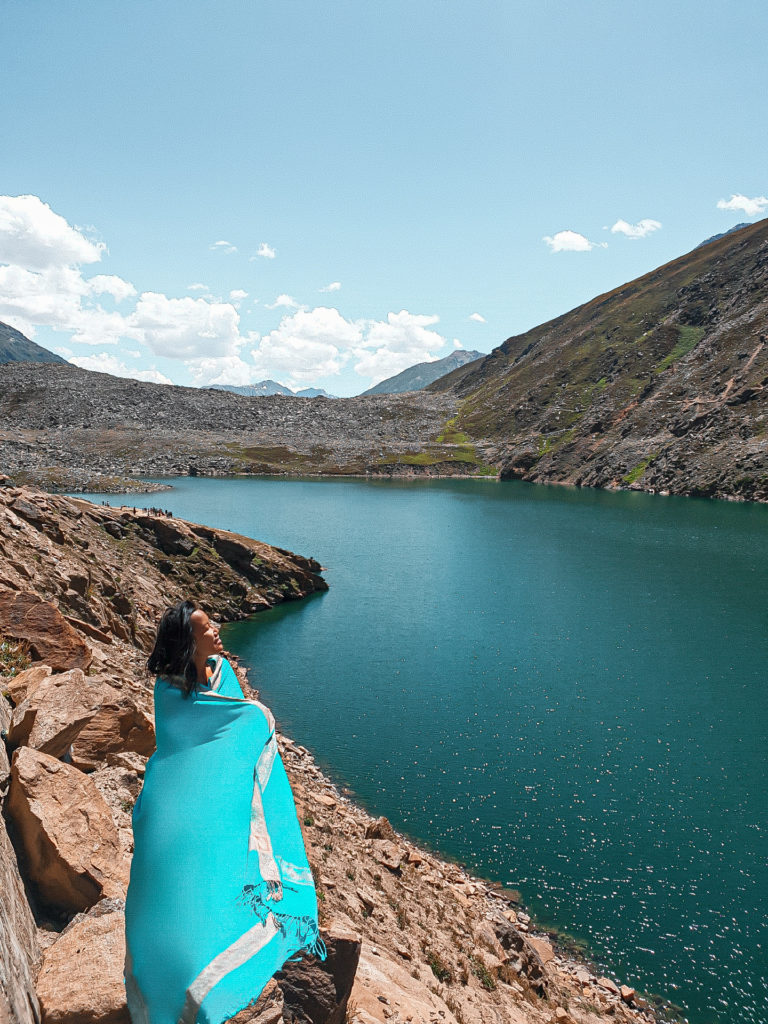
411 938
659 385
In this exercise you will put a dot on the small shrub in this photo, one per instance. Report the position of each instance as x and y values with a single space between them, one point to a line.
14 656
439 967
482 973
309 821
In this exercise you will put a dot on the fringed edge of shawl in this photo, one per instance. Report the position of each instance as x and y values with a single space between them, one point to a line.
262 896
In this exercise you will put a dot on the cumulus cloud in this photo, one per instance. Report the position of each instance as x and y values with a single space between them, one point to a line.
478 318
265 251
105 362
34 237
397 343
109 284
237 295
308 345
334 286
570 241
286 301
640 230
751 207
223 246
221 370
197 287
186 328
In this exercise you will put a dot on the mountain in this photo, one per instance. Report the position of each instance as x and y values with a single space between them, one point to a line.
661 384
269 387
16 348
419 376
714 238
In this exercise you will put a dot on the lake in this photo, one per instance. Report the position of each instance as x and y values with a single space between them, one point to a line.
563 689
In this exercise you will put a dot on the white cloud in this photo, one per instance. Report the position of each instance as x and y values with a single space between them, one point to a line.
307 345
197 287
478 318
397 343
32 236
751 207
237 295
334 286
186 328
570 241
222 370
456 343
265 251
286 301
105 362
640 230
108 284
223 246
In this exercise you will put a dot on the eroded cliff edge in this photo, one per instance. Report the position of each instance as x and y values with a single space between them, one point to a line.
412 938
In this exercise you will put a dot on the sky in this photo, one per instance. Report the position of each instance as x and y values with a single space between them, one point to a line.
326 193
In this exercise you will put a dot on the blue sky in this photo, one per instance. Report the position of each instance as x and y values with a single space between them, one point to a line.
327 193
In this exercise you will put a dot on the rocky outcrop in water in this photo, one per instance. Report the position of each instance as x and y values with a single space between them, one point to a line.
410 937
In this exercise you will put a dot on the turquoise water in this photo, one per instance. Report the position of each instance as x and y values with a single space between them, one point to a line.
563 689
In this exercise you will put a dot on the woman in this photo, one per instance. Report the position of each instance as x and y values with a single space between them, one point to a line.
221 893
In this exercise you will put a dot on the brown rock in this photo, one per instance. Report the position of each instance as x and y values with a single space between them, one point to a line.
325 801
23 684
81 979
380 829
627 993
71 845
608 985
19 951
5 724
317 991
386 853
117 727
268 1008
543 948
54 713
24 616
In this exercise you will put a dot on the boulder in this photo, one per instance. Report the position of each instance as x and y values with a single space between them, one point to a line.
72 850
268 1008
19 952
22 684
81 978
51 717
387 853
380 829
5 723
317 991
25 616
543 948
117 727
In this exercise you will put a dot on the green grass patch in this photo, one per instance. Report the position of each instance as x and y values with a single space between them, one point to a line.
640 468
688 338
449 434
14 656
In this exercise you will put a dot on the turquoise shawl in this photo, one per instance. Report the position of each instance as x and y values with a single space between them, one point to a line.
221 893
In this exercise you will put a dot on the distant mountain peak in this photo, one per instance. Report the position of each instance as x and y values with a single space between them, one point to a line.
417 377
263 388
15 347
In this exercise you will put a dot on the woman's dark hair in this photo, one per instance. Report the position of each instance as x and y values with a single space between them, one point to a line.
173 656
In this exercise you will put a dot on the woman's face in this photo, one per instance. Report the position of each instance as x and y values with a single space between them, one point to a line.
206 635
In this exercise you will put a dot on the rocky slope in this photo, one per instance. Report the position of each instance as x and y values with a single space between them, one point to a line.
660 385
410 938
16 347
70 429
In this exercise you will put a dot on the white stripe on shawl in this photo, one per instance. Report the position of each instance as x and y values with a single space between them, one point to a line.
215 681
266 760
259 836
247 946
